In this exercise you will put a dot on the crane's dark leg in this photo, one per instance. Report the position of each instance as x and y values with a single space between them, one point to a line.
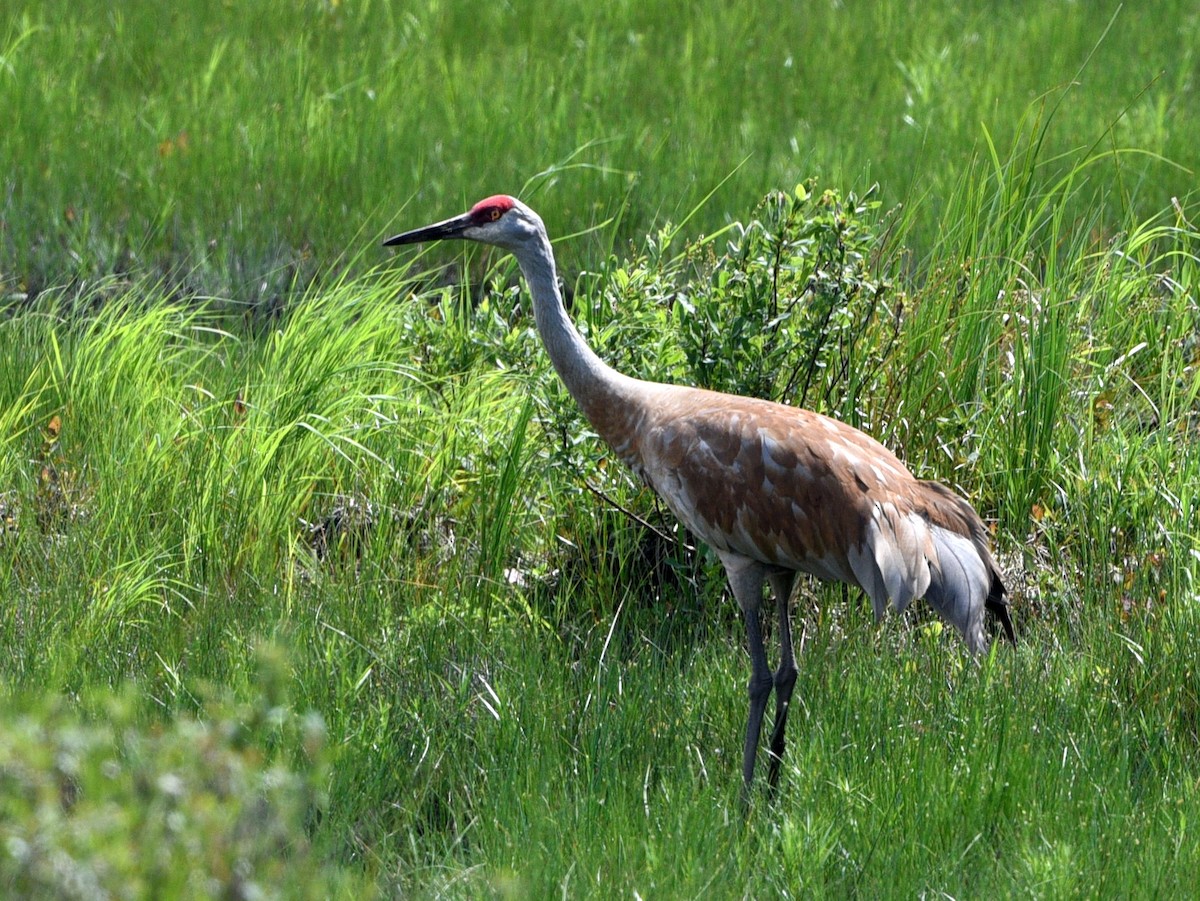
760 690
746 580
785 676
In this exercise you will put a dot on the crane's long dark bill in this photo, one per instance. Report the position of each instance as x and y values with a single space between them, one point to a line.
448 228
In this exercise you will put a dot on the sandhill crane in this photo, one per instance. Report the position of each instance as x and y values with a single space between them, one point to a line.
774 490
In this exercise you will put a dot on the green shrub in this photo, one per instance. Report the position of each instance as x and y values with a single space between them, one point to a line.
111 806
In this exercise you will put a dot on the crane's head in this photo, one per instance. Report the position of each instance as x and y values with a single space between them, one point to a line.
499 220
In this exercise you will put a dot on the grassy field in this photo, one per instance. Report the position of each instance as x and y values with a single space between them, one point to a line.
317 585
237 147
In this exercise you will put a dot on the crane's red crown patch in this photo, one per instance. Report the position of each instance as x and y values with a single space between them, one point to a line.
491 208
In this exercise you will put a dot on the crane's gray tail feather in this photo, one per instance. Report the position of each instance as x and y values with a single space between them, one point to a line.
964 579
908 554
963 584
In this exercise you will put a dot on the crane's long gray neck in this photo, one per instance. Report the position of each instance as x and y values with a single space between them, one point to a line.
606 396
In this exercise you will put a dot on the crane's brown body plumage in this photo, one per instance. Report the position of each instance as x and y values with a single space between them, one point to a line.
793 489
774 490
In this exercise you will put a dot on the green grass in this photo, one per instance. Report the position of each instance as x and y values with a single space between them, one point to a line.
343 597
523 692
240 148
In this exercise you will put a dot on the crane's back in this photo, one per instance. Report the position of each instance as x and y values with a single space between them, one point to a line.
791 489
779 484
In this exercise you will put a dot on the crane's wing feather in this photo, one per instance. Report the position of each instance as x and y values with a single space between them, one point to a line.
891 562
793 489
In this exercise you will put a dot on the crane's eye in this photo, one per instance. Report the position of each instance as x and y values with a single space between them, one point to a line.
495 213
